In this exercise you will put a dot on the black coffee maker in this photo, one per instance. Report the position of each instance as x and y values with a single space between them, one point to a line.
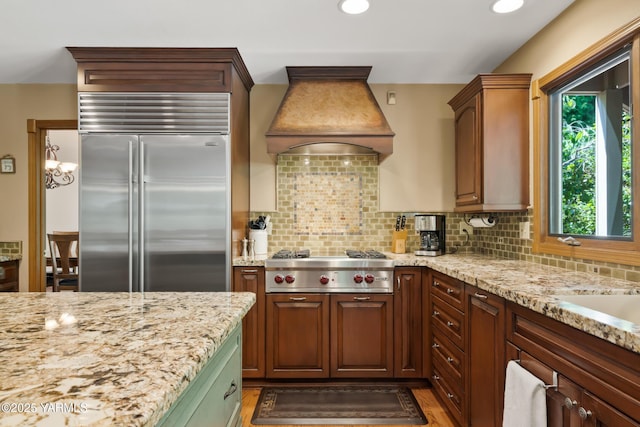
432 234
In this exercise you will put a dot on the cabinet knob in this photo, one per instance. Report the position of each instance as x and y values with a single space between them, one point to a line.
450 291
475 197
435 313
450 396
570 404
450 359
436 377
584 413
435 284
435 345
450 323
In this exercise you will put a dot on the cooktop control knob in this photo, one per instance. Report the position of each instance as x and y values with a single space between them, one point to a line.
358 278
289 278
324 279
369 278
278 279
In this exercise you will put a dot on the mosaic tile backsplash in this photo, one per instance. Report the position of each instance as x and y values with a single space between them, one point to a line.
10 248
328 204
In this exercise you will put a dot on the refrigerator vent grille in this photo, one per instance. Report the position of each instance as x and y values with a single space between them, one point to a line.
153 112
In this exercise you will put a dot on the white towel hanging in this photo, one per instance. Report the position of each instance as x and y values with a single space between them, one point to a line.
525 401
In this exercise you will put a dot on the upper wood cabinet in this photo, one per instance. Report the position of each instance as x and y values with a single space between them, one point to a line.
118 69
492 143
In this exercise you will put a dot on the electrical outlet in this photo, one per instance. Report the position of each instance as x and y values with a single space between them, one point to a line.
524 230
466 227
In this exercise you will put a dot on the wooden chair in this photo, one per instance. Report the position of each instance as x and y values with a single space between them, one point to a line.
65 275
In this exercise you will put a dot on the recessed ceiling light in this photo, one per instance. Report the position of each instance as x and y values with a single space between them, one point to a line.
353 7
507 6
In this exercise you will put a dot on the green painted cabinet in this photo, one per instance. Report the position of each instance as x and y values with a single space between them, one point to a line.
214 397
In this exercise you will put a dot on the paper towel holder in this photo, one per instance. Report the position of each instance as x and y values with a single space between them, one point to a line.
484 220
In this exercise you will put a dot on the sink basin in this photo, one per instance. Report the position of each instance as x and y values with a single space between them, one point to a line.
622 306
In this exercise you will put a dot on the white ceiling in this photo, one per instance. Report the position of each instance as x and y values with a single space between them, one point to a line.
406 41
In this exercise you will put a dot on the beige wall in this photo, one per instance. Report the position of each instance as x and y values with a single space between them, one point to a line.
583 24
17 104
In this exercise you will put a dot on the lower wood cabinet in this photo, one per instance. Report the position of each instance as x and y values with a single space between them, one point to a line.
251 279
322 335
598 382
361 336
485 317
297 336
9 276
408 324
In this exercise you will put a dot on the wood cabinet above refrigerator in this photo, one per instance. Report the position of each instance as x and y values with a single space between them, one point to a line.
492 143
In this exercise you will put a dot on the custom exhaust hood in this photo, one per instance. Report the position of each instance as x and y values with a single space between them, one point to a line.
329 110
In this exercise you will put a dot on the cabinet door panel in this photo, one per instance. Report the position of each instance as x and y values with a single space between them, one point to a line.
468 149
600 414
251 279
361 335
408 327
298 336
486 350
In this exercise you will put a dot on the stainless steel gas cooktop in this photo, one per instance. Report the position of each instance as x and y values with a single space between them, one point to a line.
356 271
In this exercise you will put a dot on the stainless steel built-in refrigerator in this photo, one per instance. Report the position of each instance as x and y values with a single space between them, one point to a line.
154 207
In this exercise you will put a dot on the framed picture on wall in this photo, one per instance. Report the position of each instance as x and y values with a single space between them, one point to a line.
8 164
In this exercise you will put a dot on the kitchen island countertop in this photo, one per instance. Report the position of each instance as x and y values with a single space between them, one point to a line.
104 359
534 286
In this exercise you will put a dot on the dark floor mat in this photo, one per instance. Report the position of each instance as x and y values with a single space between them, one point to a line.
337 405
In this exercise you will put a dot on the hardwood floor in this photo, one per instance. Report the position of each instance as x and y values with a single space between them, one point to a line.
435 413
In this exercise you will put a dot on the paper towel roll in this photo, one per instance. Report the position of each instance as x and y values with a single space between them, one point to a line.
481 222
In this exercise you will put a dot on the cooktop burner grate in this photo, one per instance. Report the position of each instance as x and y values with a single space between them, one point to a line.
287 254
365 254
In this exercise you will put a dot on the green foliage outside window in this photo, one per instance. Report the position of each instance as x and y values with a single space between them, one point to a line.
579 166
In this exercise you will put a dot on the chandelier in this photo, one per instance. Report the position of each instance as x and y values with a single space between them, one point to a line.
56 169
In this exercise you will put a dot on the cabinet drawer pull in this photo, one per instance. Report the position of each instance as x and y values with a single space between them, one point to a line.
477 295
450 323
250 271
398 281
435 284
298 298
450 396
450 359
450 291
232 389
435 313
361 298
436 377
435 345
569 403
584 413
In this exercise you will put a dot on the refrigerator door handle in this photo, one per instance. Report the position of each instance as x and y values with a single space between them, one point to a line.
130 220
141 233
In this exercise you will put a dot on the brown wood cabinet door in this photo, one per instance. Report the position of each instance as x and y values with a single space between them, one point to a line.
251 279
361 335
468 152
297 336
485 316
408 323
597 413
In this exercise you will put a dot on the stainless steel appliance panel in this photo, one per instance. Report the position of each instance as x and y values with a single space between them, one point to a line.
184 212
106 232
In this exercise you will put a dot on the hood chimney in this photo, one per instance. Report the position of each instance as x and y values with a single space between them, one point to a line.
329 110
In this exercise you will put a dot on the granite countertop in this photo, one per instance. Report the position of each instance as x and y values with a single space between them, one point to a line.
104 359
534 286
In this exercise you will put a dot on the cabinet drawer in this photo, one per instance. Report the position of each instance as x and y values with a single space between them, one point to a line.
450 395
448 289
449 357
448 320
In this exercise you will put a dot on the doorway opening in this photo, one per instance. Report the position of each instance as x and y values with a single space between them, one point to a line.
37 132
